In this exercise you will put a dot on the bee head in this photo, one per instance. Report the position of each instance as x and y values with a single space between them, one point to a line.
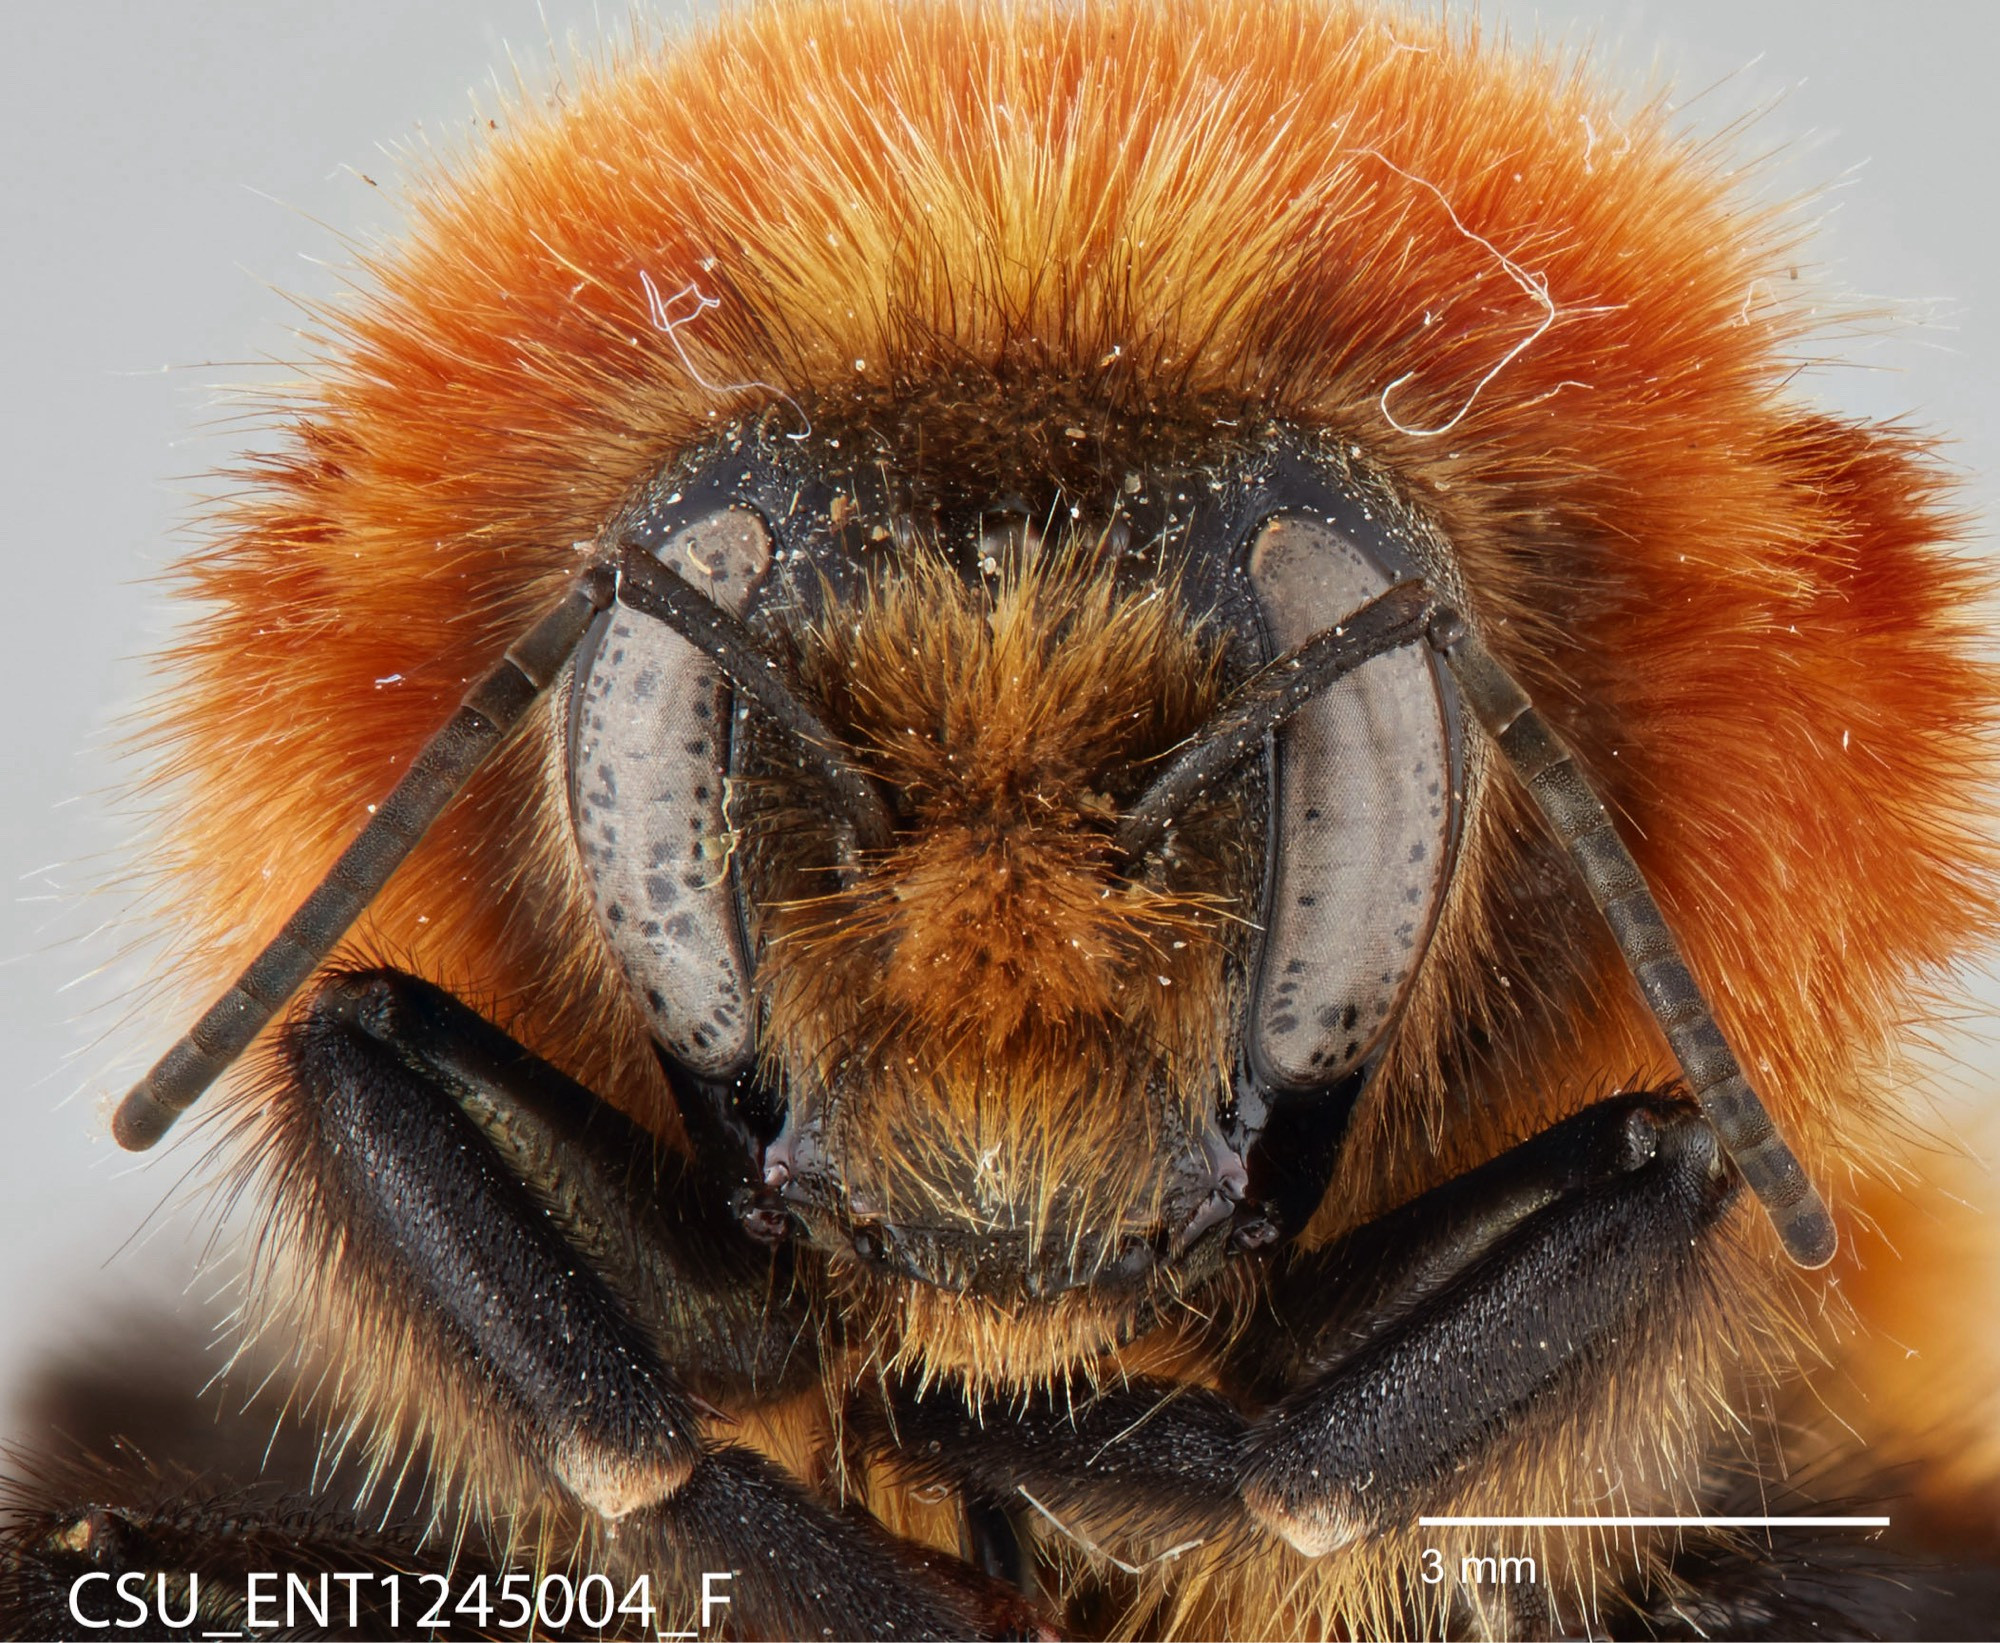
880 860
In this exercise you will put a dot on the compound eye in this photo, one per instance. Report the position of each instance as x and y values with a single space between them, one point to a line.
1363 820
648 754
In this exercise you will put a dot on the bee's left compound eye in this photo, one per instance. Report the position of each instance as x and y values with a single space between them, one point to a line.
648 761
1363 816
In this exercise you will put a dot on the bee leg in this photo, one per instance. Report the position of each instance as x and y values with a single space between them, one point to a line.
93 1539
460 1179
1375 1371
519 1229
1413 1343
1135 1468
800 1570
778 1565
659 1231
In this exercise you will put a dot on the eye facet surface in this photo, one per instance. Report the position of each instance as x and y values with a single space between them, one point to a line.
648 755
1363 819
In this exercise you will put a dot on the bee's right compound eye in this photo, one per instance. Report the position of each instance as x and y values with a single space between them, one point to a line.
648 757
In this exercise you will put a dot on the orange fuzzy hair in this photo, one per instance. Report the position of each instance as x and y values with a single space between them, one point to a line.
994 941
1743 613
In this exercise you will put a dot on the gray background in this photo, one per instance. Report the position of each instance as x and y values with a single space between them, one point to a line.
170 168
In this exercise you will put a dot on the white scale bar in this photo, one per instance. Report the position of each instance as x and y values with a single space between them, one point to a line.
1653 1522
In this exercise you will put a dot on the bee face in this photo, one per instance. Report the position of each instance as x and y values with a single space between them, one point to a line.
949 1015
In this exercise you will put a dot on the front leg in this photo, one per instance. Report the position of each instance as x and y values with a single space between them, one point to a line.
533 1285
1385 1362
1432 1335
498 1234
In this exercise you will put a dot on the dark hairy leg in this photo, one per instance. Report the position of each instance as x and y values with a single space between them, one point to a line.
1428 1335
113 1545
529 1251
116 1543
1384 1361
524 1229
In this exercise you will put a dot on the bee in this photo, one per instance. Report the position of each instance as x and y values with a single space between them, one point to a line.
1010 819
